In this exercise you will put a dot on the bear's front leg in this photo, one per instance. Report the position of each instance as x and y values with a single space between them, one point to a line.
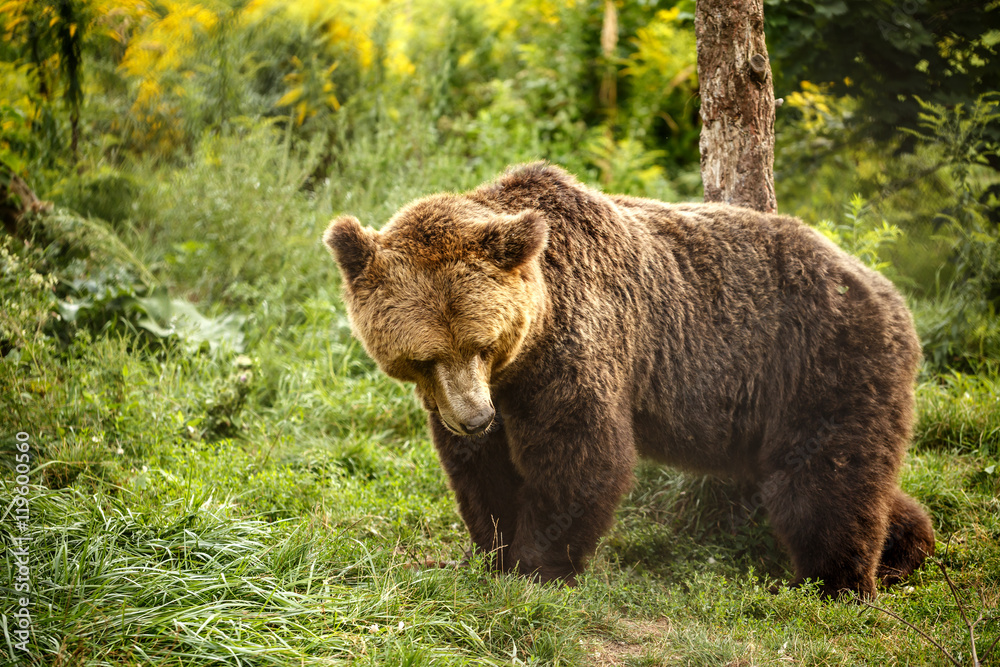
486 486
574 478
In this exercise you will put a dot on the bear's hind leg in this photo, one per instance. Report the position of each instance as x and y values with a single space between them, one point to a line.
909 541
833 521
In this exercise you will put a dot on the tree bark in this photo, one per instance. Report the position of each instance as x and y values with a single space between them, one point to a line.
737 104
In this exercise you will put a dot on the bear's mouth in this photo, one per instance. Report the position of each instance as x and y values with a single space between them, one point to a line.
468 432
480 432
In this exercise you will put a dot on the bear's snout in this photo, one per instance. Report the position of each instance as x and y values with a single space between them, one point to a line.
463 396
480 422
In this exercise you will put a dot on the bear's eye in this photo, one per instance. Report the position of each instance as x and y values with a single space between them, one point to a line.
414 368
408 369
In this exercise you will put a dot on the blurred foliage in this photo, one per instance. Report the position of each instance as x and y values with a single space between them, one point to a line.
51 34
76 276
887 53
662 74
964 329
863 240
157 76
27 304
212 139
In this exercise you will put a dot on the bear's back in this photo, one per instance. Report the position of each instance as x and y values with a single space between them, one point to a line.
747 314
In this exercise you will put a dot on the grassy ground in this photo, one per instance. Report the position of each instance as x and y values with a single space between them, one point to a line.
270 498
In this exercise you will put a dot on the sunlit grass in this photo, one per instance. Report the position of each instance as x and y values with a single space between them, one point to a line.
960 412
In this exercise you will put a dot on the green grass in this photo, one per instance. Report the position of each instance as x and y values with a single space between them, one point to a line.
192 579
276 504
960 412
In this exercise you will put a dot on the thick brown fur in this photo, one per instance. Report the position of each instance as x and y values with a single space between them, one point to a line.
555 334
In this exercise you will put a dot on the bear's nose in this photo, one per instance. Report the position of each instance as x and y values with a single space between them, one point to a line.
480 422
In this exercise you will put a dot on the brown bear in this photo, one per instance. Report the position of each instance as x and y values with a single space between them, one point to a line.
555 333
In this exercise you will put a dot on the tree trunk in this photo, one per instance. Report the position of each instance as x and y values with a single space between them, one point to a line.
737 104
608 93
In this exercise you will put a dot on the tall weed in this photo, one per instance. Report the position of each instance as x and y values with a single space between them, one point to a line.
235 213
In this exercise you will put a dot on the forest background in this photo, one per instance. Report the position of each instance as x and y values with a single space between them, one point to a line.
215 470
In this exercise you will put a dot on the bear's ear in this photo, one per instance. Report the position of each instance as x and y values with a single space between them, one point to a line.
511 241
352 245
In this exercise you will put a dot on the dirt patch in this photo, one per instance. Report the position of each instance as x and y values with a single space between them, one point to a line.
630 638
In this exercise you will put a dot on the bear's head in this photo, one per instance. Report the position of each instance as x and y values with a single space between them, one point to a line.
444 296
